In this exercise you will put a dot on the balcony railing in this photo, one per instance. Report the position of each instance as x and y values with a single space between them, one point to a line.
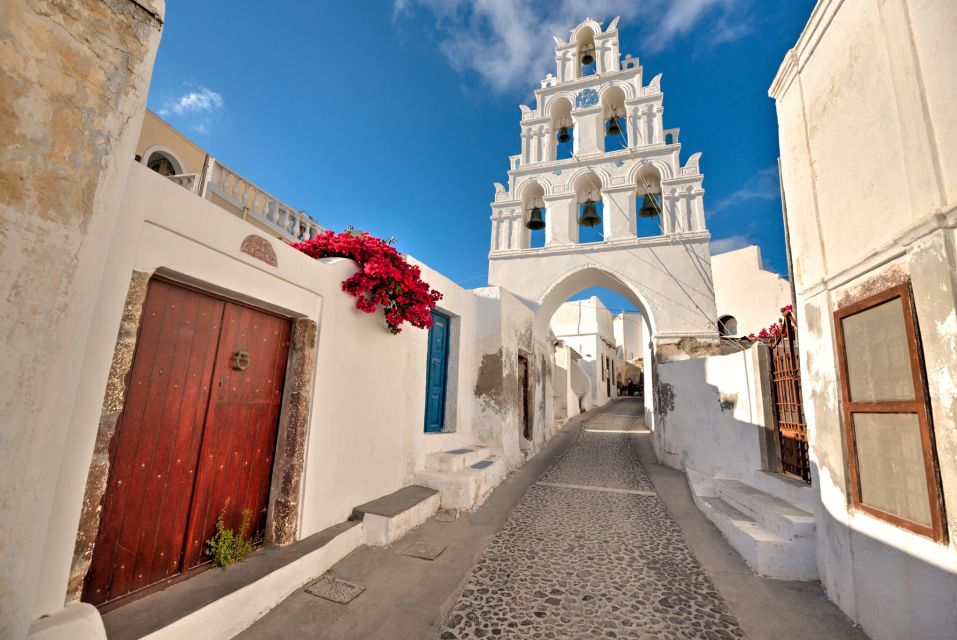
255 203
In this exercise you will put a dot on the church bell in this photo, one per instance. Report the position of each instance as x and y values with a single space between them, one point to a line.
613 129
589 217
535 219
588 55
563 136
648 207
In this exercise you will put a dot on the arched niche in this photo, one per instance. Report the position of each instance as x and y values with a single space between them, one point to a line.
647 181
585 44
587 187
728 326
613 106
560 114
533 197
163 161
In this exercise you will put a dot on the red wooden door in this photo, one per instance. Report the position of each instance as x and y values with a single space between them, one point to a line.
159 449
235 467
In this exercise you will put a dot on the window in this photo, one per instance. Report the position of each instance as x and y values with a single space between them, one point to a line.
891 454
728 326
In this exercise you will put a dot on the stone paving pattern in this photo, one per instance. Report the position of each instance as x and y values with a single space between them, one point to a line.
574 563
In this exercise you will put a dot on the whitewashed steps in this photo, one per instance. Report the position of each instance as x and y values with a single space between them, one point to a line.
390 517
774 537
463 479
455 459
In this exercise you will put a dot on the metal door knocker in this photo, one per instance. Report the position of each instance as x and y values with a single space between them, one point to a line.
240 359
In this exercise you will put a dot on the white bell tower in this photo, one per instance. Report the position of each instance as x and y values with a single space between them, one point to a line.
565 170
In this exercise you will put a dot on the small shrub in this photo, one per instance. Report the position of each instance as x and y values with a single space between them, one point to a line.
227 546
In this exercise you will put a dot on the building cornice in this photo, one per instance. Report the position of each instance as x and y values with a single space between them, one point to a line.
647 151
821 17
698 237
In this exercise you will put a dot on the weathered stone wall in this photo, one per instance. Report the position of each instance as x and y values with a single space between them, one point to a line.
73 81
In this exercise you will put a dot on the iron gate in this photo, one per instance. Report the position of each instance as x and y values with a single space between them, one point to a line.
788 410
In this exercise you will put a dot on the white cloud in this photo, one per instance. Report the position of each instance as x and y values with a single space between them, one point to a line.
729 243
762 186
199 109
508 43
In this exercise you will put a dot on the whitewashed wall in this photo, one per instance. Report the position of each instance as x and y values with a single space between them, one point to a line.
714 413
745 290
366 432
868 138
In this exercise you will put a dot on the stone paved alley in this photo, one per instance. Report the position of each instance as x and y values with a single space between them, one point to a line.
594 547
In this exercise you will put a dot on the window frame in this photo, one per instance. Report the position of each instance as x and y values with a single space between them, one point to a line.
920 406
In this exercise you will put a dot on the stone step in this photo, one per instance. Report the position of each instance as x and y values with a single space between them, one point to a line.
466 488
455 459
765 552
775 514
390 517
788 488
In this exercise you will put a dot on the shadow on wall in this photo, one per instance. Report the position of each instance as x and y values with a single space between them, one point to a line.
884 584
714 414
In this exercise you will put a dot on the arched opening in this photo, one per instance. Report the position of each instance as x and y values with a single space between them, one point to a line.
613 109
534 214
728 326
587 54
669 138
590 208
563 133
649 205
164 163
580 311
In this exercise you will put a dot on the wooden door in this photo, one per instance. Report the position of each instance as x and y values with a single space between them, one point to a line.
437 373
235 467
523 397
160 445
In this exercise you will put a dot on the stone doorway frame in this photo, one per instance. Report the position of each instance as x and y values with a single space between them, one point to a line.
282 518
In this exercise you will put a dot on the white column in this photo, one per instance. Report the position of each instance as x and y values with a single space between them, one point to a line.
561 222
698 209
657 110
494 242
618 212
589 132
668 203
520 237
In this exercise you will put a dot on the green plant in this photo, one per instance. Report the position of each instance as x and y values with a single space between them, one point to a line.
227 546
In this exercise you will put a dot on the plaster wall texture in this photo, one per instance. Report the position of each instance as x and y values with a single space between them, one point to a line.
745 290
715 417
71 102
868 139
366 435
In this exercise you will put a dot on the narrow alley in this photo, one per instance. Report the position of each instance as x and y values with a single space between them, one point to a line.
582 542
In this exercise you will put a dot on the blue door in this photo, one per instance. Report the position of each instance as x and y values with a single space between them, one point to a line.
437 373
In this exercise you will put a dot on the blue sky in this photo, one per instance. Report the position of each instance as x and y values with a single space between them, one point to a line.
396 116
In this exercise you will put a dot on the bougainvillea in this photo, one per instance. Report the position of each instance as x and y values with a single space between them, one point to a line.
384 277
769 334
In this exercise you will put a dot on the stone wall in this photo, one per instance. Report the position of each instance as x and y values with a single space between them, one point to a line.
73 81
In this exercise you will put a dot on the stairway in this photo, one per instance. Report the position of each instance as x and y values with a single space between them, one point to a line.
464 477
771 527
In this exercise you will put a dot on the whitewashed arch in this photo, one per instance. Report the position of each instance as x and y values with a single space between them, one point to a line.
664 169
168 153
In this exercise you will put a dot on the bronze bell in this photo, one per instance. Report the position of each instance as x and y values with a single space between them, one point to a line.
563 135
535 219
613 129
649 209
588 55
589 217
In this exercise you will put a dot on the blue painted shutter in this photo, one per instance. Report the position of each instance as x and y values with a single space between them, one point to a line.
437 373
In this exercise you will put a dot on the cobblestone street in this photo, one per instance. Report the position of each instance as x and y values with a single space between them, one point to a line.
592 552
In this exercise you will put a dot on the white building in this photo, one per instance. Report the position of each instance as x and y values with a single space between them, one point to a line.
586 327
868 136
628 335
747 296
